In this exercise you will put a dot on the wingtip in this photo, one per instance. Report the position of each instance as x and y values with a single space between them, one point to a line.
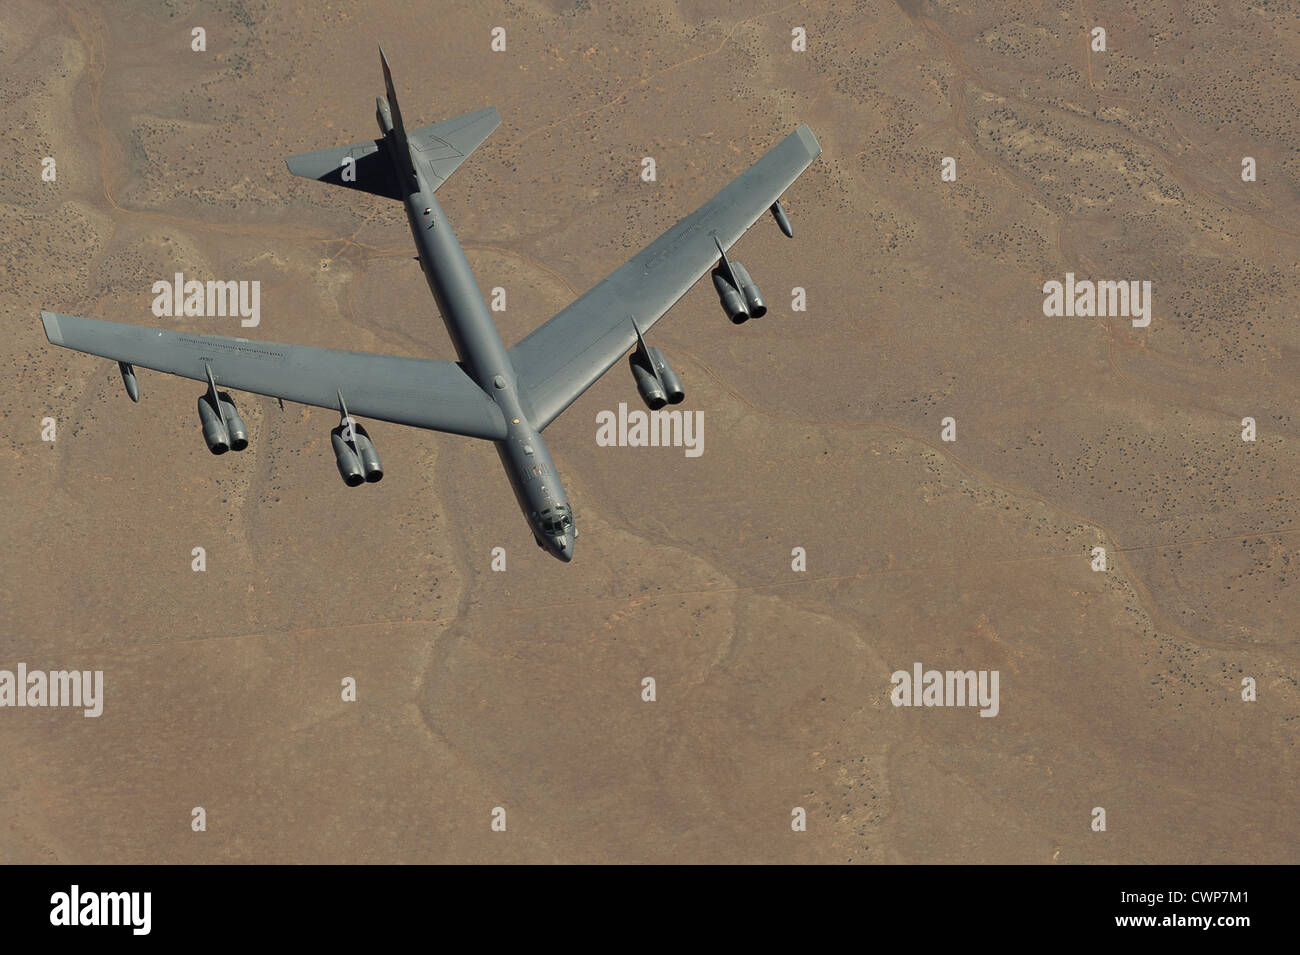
809 140
52 331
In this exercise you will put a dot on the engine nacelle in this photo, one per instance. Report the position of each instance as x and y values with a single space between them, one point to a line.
733 302
349 463
236 432
754 303
672 385
647 382
368 456
214 432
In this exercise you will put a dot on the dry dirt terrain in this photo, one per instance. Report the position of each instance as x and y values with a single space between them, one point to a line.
1125 689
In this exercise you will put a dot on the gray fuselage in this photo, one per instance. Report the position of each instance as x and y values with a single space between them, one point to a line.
523 453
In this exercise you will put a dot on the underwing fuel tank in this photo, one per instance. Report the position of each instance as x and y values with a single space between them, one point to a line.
128 379
782 220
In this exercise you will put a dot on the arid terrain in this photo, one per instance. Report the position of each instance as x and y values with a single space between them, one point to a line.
1120 689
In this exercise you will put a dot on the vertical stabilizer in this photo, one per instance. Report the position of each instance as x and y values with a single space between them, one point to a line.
399 130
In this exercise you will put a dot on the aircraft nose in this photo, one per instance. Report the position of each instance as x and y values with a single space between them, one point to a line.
564 548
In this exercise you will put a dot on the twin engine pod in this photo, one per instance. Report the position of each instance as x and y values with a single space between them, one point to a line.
221 435
357 459
656 380
740 299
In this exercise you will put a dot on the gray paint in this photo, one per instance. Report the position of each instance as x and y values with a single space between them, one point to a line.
562 358
506 396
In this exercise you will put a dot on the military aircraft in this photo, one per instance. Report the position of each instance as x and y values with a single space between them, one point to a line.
504 395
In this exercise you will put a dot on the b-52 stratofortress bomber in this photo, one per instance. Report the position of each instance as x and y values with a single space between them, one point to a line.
505 395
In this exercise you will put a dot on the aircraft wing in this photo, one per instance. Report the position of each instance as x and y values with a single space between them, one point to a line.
564 357
443 146
422 393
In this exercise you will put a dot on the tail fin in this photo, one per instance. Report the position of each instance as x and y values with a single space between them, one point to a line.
399 129
366 166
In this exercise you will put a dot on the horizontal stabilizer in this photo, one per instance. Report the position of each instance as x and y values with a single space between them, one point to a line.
438 150
363 166
442 147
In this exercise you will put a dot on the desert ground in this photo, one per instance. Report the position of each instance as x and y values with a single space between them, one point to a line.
1124 689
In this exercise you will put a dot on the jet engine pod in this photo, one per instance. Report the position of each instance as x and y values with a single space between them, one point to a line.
369 457
672 385
234 423
733 303
754 303
214 432
349 464
647 382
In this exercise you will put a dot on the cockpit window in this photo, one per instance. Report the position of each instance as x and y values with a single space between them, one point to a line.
554 520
